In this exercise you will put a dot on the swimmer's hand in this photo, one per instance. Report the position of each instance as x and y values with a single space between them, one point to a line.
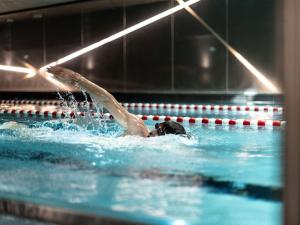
64 75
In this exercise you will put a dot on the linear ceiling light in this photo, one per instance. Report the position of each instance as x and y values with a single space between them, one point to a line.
16 69
31 72
121 33
261 77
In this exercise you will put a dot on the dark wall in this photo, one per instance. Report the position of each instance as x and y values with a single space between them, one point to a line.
199 57
175 54
148 54
104 65
252 31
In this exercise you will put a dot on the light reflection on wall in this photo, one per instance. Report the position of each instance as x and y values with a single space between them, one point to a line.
90 63
269 86
205 78
205 60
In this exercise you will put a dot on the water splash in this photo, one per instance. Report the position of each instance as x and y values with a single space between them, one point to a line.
88 122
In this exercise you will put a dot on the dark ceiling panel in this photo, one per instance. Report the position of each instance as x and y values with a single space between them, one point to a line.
7 6
11 10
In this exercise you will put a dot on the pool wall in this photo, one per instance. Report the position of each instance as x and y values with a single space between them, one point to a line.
39 212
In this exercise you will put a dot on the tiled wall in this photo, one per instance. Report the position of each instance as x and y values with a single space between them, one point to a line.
175 54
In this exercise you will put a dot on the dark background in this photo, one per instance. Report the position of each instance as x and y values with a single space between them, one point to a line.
173 55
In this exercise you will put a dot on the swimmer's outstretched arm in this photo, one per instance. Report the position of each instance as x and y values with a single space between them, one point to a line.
130 122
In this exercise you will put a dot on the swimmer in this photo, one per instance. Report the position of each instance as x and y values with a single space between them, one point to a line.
133 124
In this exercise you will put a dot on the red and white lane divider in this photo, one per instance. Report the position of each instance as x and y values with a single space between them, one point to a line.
33 102
162 106
207 108
52 114
185 120
217 121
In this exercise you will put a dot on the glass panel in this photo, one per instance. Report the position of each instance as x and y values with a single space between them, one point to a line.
63 36
148 50
23 43
104 65
199 57
252 32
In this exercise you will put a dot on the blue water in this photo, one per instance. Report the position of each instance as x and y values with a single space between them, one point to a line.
65 164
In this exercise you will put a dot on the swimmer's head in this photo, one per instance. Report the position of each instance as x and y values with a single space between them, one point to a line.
169 127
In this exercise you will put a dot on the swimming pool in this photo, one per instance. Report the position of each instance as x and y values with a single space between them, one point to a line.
221 175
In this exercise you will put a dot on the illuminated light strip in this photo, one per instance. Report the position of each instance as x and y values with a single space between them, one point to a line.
185 120
121 33
17 69
31 72
261 77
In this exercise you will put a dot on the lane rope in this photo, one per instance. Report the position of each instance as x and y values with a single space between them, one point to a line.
195 107
164 106
185 120
33 102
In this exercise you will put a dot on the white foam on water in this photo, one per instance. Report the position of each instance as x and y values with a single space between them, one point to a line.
110 139
11 125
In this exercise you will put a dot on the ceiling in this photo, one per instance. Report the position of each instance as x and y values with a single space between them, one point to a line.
15 6
9 6
11 10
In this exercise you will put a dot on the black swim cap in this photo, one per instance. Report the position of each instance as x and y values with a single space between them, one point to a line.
169 127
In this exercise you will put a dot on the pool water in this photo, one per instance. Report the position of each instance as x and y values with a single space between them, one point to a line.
161 180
